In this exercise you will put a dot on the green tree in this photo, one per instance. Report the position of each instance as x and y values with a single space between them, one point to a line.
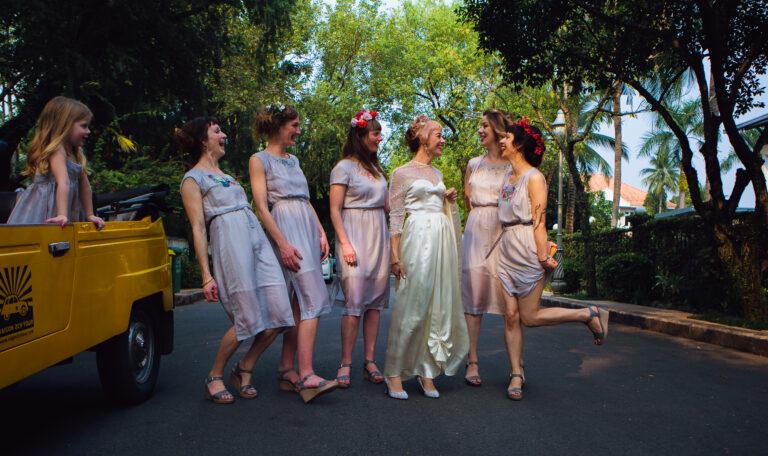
598 41
661 177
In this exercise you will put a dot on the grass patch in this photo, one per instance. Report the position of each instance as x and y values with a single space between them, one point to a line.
731 320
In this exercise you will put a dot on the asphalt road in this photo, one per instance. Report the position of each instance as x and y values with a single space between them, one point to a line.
642 393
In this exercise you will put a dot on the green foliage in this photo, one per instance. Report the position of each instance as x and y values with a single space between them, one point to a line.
190 271
573 272
625 277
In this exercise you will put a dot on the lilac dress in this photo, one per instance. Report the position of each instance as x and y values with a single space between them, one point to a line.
519 269
251 286
365 286
480 293
288 198
38 202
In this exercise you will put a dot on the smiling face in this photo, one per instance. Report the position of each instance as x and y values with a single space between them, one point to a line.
79 133
371 141
288 132
486 133
435 141
216 141
507 146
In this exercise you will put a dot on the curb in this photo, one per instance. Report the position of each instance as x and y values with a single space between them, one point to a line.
674 323
187 297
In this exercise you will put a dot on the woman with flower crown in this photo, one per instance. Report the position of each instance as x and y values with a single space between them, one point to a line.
525 262
427 331
359 203
281 196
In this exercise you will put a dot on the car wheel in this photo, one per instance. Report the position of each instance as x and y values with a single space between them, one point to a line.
129 363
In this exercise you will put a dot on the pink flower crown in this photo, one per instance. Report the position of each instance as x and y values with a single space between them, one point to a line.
523 123
361 118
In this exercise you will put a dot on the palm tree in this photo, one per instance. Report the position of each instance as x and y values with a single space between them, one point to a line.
662 176
661 140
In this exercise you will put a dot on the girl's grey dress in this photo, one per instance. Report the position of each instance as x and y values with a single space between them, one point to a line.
288 198
38 202
366 285
251 286
480 292
519 269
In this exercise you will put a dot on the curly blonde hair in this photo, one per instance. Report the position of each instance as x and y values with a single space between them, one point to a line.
417 133
53 127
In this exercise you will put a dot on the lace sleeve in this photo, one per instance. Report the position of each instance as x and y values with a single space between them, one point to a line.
397 188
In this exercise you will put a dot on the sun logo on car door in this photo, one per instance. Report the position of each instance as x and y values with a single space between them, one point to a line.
16 300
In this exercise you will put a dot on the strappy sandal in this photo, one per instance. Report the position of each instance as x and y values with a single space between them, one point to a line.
474 380
603 316
217 396
309 393
344 380
246 391
515 394
283 383
375 376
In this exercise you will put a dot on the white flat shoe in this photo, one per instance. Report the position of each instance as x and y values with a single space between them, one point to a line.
402 395
432 394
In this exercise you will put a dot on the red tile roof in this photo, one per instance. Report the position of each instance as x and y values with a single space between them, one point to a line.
634 196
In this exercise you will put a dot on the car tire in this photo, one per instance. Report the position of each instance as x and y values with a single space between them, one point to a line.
129 363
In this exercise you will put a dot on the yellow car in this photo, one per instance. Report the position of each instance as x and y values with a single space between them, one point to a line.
66 290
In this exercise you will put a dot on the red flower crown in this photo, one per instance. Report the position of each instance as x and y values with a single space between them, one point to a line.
361 118
523 123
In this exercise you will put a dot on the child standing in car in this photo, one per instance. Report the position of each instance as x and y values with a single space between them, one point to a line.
60 191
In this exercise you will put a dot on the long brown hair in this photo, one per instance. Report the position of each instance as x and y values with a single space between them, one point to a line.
53 127
354 148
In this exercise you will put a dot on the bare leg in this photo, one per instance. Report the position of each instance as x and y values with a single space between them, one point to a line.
227 348
306 345
371 321
290 344
349 329
513 340
473 328
532 316
260 343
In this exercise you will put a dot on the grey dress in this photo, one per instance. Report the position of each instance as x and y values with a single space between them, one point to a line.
519 269
480 292
251 286
366 285
38 202
288 198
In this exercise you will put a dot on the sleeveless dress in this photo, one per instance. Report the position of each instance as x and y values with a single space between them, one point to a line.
38 202
479 291
365 286
288 198
251 286
519 269
427 332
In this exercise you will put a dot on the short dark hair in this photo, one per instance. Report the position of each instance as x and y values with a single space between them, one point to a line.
527 144
192 136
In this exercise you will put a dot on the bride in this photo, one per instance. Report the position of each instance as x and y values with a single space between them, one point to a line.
427 332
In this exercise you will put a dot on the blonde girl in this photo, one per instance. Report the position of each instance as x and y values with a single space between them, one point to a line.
60 191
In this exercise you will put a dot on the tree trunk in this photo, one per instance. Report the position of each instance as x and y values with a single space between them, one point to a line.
616 157
739 250
571 211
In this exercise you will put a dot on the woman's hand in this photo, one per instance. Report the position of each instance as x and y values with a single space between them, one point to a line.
324 246
291 256
398 271
59 220
211 290
451 194
348 252
98 221
549 264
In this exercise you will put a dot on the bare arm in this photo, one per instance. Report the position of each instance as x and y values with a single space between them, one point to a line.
57 166
288 253
86 200
338 191
467 189
537 191
193 205
321 233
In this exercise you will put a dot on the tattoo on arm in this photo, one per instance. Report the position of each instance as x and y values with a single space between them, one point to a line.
537 216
